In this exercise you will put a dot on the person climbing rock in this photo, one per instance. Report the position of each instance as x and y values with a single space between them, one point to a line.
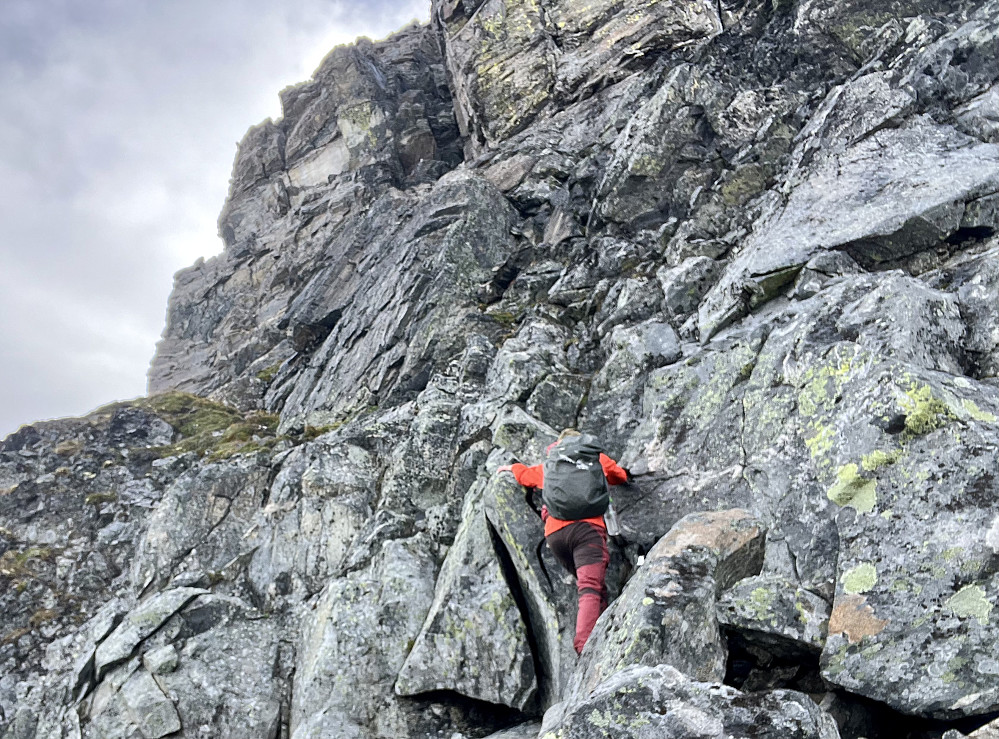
573 482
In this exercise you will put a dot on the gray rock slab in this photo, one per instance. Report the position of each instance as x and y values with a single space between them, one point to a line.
684 285
161 660
989 731
776 613
840 205
201 519
659 700
319 501
526 731
474 640
358 636
139 623
975 280
149 708
916 576
230 677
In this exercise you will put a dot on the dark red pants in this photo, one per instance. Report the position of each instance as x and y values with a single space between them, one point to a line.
582 549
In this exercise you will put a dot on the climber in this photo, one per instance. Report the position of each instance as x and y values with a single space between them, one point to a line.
573 482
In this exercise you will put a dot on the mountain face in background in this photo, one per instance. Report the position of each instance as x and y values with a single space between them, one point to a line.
748 243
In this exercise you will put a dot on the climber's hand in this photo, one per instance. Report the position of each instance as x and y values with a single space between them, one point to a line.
504 468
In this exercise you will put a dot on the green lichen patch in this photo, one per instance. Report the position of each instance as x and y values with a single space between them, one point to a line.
759 605
972 409
970 602
823 385
853 490
860 579
822 443
924 413
879 458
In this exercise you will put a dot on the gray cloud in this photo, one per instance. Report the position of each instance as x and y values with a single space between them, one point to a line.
118 128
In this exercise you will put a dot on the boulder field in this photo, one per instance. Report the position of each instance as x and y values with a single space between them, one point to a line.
750 244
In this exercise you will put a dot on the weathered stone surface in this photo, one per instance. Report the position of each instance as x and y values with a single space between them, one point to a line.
359 635
140 623
407 308
160 661
200 522
474 641
937 604
751 246
231 675
661 701
530 731
841 206
666 612
975 280
775 612
991 731
151 711
217 673
320 499
509 61
684 285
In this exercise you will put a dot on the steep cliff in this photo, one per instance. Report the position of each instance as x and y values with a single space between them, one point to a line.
751 244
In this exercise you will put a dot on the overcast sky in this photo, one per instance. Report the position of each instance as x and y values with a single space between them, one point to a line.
118 129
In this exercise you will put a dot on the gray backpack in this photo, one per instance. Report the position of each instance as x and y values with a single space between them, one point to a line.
575 486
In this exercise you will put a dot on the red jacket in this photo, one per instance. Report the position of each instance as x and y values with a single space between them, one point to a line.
534 477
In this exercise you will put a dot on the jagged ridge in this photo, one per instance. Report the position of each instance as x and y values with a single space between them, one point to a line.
750 244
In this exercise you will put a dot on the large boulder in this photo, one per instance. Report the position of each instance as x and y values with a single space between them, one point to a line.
474 640
359 635
662 701
666 613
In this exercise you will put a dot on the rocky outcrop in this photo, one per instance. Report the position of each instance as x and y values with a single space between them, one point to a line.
751 245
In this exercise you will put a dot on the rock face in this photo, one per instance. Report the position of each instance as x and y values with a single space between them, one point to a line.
750 244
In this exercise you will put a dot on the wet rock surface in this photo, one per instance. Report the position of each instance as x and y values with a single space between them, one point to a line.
750 245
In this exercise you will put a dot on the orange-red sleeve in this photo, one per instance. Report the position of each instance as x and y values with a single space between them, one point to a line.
614 473
529 477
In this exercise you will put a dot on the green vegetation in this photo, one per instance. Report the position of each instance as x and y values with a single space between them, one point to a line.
96 499
14 635
504 318
269 373
16 564
205 427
